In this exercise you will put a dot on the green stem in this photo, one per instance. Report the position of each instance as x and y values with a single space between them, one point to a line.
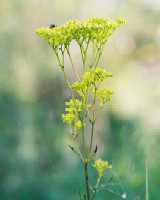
85 54
95 58
81 50
93 120
89 116
83 134
72 64
91 140
100 53
86 180
98 113
98 181
61 63
82 56
147 190
59 60
93 53
97 184
84 149
68 84
66 79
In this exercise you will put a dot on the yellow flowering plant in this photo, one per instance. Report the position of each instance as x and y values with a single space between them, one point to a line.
82 110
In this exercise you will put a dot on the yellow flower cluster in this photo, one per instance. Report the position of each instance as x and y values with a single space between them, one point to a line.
101 166
95 29
72 117
90 79
68 118
104 95
55 36
74 106
95 75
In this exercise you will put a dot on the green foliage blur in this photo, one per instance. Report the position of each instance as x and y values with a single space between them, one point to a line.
35 160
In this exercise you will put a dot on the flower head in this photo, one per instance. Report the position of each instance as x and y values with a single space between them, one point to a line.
91 80
96 29
104 95
101 166
73 111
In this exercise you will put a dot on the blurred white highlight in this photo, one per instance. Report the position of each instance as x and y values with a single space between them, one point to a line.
124 196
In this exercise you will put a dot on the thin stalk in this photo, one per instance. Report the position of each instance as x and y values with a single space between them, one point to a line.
91 140
59 60
65 76
100 53
68 84
83 137
81 50
92 60
87 109
62 67
72 64
89 116
96 55
62 56
95 189
64 73
85 53
98 113
84 149
86 180
93 120
147 190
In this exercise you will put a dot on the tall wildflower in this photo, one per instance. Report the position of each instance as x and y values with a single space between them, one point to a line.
82 109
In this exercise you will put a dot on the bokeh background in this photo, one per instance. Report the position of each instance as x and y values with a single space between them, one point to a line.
35 161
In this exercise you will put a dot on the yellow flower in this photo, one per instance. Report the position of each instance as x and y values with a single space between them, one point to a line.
104 95
68 118
78 125
95 29
72 116
101 166
90 79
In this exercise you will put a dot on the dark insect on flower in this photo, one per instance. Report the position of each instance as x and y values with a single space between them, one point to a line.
52 26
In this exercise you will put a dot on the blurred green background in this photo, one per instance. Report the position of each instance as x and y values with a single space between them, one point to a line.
35 161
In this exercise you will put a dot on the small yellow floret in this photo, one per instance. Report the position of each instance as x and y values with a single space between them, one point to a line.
101 166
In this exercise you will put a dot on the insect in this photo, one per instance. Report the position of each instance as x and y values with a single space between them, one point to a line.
52 26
